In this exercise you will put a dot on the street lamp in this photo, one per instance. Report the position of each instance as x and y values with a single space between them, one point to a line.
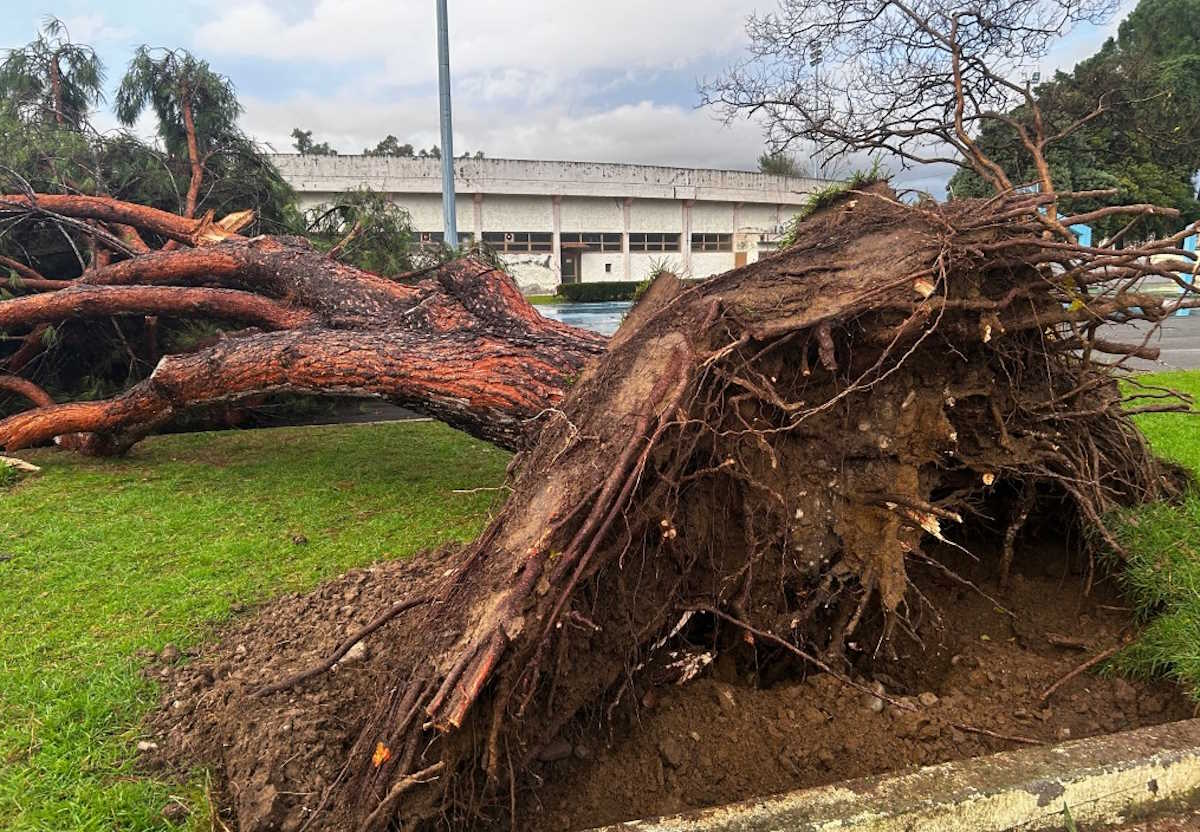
449 217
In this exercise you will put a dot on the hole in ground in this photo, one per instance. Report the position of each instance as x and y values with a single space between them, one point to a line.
763 723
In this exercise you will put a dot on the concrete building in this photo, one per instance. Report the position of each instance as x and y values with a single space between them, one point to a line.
556 222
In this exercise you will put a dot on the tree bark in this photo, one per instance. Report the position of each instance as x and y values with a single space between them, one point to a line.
458 342
197 167
27 389
77 302
106 209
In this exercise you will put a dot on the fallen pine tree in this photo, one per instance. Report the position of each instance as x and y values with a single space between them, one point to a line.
459 341
752 462
758 456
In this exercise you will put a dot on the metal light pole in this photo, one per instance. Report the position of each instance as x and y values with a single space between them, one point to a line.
449 218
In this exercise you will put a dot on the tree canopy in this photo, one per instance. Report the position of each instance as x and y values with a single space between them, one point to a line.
1143 87
55 155
779 163
52 78
305 146
196 109
390 146
914 80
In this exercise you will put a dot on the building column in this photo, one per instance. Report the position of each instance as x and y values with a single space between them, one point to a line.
478 216
737 216
627 215
556 246
685 237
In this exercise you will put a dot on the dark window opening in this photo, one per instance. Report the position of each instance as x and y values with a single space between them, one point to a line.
653 242
519 240
591 241
712 242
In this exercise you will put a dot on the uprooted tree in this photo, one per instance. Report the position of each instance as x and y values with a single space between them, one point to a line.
763 453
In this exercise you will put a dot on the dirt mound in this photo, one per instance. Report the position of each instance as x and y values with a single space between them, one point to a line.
277 755
729 734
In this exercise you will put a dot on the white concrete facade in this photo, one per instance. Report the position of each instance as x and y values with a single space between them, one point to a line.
575 221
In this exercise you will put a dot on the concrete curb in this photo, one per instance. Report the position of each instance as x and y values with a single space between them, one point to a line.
1101 780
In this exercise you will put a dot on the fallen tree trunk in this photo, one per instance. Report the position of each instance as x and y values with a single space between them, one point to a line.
752 462
459 342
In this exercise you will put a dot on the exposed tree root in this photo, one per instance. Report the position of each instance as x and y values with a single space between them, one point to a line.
768 449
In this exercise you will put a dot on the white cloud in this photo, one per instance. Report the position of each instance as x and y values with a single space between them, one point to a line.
642 132
562 37
94 29
525 76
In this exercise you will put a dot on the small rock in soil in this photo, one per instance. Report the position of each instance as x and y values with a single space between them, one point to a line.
169 655
873 703
147 745
583 752
1063 733
672 752
928 699
355 655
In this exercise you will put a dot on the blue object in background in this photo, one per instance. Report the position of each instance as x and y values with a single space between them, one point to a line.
1189 244
1083 233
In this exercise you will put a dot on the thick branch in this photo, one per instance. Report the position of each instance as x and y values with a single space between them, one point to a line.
108 210
99 301
26 389
489 387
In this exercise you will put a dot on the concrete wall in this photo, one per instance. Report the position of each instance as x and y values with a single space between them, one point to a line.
332 174
501 195
516 213
581 214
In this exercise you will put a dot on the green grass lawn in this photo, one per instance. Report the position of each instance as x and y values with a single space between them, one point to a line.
1163 542
101 558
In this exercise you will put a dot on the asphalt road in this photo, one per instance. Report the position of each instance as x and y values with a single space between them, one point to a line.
1178 340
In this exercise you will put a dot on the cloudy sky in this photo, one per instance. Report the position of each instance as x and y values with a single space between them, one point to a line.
570 79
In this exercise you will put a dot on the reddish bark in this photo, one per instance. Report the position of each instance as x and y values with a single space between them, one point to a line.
101 301
108 210
459 341
189 127
131 237
491 387
30 348
23 271
26 389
